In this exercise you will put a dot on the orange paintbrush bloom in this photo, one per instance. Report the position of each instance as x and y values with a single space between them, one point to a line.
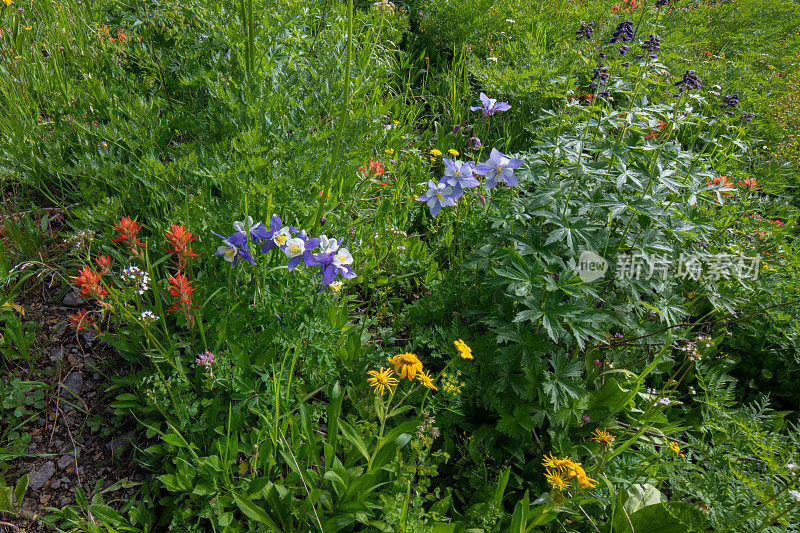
128 230
179 237
104 262
182 290
89 283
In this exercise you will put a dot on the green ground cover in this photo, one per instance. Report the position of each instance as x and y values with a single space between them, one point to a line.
354 320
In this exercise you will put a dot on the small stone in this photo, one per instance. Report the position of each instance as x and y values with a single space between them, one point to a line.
73 350
73 299
64 480
55 485
117 446
89 362
65 460
57 353
88 338
74 382
37 478
64 501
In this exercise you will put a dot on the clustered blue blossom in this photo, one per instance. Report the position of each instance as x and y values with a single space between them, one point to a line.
322 251
460 175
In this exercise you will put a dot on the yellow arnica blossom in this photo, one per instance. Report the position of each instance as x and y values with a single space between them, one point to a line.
7 2
406 365
603 437
389 151
436 152
382 379
463 350
766 267
676 449
554 462
556 479
426 379
452 151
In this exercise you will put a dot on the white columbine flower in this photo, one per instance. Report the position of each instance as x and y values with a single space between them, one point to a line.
227 250
342 257
294 247
245 226
283 235
328 246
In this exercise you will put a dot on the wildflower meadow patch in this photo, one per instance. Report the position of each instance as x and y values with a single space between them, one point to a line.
399 267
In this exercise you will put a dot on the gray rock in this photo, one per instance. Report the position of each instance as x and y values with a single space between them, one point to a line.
89 337
89 362
73 350
73 299
117 446
37 478
57 353
74 382
65 461
64 501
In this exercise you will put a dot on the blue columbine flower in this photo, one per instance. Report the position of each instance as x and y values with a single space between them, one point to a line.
499 168
277 235
437 196
234 247
490 106
257 231
339 265
458 175
299 249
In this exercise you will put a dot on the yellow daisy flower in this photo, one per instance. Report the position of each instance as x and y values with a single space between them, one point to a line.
406 365
382 379
453 152
603 437
426 379
550 461
464 351
436 152
585 482
556 479
676 449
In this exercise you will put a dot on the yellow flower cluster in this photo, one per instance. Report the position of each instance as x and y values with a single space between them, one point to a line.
676 449
603 437
463 350
407 366
451 384
438 153
559 471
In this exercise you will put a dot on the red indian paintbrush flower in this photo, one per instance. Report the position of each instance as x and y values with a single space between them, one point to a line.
80 319
104 262
128 231
89 283
373 168
180 238
182 290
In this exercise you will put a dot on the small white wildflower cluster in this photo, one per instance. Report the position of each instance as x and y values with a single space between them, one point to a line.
795 495
704 341
691 351
148 317
384 5
80 240
664 401
397 231
792 467
136 277
692 391
651 390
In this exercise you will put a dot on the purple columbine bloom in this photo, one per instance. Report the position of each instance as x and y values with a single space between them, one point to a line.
299 249
490 106
438 195
257 231
234 247
474 142
339 265
458 175
277 235
499 168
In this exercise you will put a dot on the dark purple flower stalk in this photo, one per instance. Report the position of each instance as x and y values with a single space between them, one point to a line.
585 31
490 106
690 81
746 117
624 48
652 44
730 100
600 77
624 32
